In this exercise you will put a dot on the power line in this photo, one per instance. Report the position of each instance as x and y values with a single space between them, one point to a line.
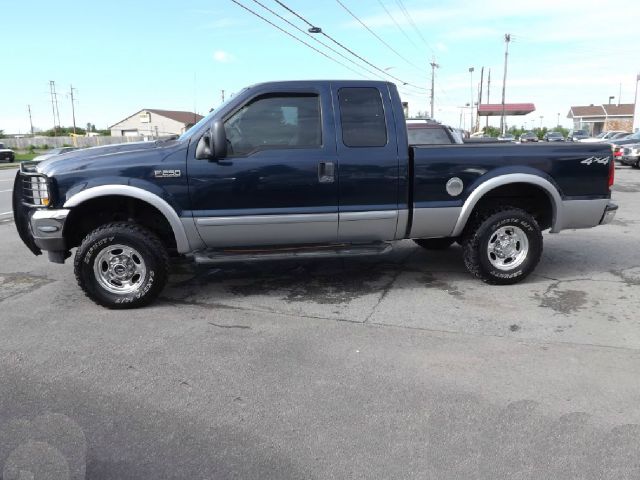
316 29
398 25
294 37
316 40
406 14
377 36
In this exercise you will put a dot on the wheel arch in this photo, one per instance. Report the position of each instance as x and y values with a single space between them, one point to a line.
484 190
165 209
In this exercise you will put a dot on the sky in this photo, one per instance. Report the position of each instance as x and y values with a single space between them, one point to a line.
123 56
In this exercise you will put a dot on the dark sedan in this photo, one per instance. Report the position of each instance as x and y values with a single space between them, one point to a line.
576 135
553 137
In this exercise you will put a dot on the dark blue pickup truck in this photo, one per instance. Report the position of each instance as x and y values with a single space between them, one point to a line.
302 169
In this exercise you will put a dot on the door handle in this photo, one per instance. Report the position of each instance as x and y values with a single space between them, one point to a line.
326 172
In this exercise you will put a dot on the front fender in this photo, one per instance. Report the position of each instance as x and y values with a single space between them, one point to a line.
148 196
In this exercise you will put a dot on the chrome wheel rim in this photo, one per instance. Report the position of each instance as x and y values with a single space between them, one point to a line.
507 248
120 269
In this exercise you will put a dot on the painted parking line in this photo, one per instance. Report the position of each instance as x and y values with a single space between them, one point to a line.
5 213
3 191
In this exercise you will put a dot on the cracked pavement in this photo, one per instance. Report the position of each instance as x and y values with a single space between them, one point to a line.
400 366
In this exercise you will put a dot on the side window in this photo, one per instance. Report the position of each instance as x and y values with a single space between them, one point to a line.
275 121
362 117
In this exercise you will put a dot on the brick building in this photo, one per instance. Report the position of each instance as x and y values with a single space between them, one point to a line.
602 118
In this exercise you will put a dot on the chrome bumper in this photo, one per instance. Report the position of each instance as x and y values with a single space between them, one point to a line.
609 213
47 227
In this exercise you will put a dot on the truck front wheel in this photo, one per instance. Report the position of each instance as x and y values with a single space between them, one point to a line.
503 246
121 265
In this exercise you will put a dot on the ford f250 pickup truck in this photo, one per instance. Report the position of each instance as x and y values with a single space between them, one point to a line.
297 170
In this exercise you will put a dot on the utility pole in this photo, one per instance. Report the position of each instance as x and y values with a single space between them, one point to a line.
558 119
507 39
222 96
73 109
479 99
434 65
30 121
471 69
52 90
488 93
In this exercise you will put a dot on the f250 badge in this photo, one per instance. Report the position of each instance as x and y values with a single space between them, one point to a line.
166 173
590 160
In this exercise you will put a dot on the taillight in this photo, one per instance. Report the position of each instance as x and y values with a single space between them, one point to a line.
612 172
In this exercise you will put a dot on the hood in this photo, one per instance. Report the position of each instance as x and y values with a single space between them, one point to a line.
81 159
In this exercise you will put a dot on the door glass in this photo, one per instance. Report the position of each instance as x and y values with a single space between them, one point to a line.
275 121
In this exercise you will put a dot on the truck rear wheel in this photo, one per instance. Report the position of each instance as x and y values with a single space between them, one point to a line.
503 246
121 265
435 243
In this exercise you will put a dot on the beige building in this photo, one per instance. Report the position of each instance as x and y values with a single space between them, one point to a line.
154 123
602 118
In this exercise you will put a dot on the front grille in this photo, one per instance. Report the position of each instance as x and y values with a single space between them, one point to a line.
35 190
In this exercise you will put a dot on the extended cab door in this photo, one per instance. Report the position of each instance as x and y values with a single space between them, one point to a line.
369 162
278 183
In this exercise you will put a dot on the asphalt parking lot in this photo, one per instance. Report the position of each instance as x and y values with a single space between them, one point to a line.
395 367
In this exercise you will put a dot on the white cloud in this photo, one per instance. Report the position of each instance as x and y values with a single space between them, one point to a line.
222 56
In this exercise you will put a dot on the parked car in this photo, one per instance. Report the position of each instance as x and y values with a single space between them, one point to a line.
425 132
54 152
553 137
337 178
6 153
620 135
603 136
631 155
576 135
617 144
507 137
528 137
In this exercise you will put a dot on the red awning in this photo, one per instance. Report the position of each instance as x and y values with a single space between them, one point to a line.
495 109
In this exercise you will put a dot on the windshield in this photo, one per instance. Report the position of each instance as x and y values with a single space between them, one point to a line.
554 134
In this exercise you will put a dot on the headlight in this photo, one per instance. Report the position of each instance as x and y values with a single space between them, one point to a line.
36 191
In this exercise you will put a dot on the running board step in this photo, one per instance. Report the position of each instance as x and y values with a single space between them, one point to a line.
284 253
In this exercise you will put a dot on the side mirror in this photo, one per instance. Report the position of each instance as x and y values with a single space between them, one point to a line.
213 144
219 140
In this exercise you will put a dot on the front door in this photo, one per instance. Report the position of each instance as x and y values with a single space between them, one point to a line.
278 183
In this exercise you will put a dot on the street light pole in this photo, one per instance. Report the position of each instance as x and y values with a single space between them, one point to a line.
541 117
434 65
558 119
507 39
471 69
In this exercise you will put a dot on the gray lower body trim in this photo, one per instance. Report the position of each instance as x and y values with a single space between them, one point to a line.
581 213
268 229
401 226
434 222
372 226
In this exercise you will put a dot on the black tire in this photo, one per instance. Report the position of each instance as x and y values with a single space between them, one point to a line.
144 256
482 231
435 243
637 165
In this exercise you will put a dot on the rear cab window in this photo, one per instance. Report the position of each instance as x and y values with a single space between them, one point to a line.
362 117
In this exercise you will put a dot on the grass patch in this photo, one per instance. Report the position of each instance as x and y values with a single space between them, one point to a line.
21 157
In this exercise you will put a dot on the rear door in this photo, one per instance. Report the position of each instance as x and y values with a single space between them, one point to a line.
368 168
278 183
